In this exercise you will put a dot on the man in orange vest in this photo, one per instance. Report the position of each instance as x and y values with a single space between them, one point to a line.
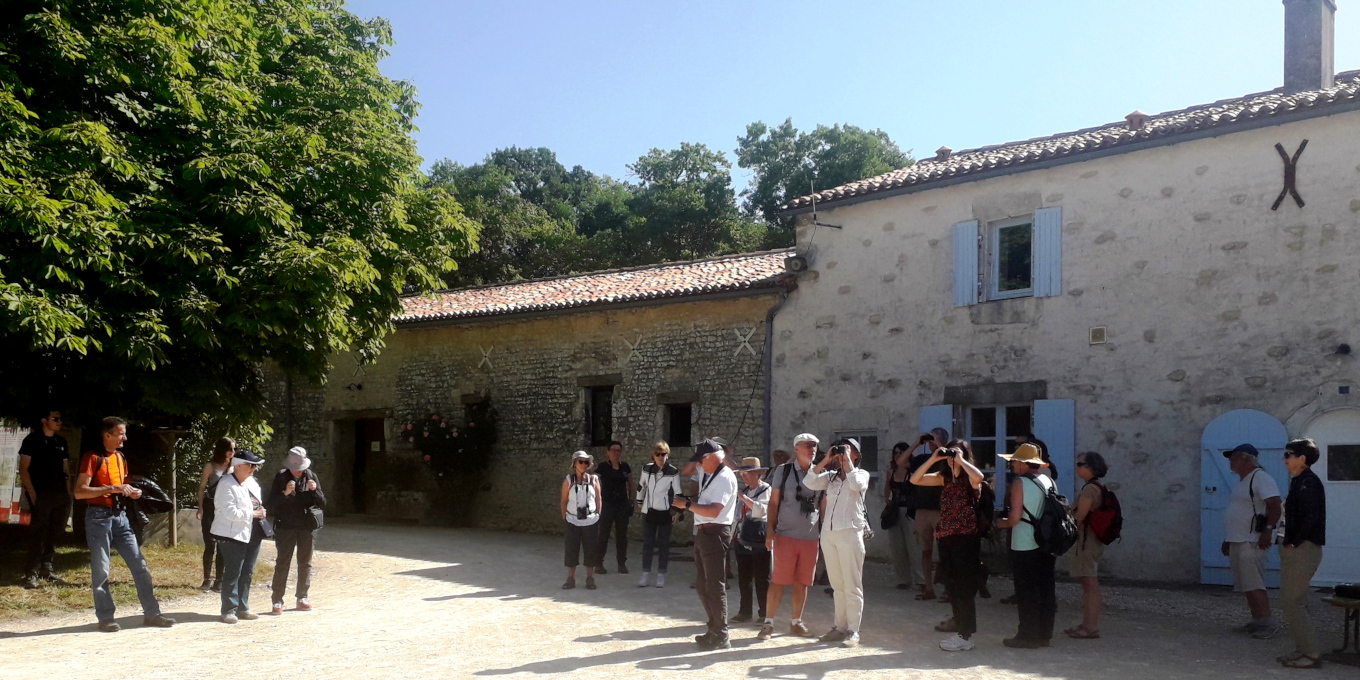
102 483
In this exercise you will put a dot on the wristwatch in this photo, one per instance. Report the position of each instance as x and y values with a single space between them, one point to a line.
688 503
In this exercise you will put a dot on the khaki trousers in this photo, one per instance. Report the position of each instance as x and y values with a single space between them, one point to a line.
1297 566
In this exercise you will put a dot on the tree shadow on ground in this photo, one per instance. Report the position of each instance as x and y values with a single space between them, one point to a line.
897 633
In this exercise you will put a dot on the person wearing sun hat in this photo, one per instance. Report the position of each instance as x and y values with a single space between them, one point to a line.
753 557
1035 589
237 525
581 512
296 502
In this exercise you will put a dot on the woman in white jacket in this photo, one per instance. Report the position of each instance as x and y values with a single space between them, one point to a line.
660 483
237 525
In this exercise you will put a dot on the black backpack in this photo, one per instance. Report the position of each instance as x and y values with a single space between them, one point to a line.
1054 529
986 509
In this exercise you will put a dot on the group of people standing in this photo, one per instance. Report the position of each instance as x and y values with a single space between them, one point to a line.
235 515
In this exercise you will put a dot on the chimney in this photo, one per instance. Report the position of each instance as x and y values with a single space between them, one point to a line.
1309 45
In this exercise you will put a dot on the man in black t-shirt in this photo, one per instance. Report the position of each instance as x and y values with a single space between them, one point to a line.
616 487
44 468
927 502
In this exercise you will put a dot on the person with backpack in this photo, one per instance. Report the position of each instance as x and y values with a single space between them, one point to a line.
1033 564
1097 513
792 535
965 515
659 486
213 471
102 482
753 558
240 527
581 512
298 506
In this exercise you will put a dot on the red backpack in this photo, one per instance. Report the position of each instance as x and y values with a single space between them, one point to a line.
1107 520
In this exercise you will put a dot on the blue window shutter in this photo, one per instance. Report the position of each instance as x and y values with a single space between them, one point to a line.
1047 252
1055 422
966 263
941 415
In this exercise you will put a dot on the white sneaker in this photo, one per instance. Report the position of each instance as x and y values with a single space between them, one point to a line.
956 643
661 579
646 580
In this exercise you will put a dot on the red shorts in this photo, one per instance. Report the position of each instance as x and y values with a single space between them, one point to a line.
795 561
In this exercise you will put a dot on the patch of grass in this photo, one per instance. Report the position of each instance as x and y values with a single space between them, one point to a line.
176 571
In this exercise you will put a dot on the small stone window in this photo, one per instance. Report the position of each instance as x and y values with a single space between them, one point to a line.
868 448
993 429
678 421
1343 463
600 414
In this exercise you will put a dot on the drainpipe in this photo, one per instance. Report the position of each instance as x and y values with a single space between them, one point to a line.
288 387
769 373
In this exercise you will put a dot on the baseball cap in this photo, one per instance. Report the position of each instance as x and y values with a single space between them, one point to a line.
704 448
1243 448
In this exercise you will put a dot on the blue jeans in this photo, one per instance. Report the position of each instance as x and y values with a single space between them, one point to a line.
655 537
104 533
238 567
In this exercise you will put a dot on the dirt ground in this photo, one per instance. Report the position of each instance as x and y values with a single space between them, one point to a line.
399 601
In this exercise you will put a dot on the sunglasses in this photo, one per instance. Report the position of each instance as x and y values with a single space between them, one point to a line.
1291 454
583 462
1082 463
659 455
55 420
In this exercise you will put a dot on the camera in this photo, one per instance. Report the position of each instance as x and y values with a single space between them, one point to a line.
927 438
806 505
582 512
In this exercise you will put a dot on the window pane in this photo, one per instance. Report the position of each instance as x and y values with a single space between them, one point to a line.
1017 420
678 416
601 415
983 423
1014 255
1343 463
868 445
984 451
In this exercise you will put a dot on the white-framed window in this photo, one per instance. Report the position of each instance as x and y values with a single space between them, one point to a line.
868 448
1016 257
992 430
1011 259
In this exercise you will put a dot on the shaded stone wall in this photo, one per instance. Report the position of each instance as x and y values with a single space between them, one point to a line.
1212 302
532 371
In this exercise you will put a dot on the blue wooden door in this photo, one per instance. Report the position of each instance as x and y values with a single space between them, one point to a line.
1217 480
1055 423
940 415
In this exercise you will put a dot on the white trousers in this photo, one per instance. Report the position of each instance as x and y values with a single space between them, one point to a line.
844 550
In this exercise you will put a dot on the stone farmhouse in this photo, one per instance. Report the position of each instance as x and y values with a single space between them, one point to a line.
1158 289
678 351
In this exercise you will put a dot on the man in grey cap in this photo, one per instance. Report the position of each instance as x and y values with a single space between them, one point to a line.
715 510
1249 524
297 504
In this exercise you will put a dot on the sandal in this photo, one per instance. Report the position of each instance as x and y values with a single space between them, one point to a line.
1302 661
1080 633
925 595
1285 658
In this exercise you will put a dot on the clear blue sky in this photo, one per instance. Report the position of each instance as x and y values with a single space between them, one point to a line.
601 83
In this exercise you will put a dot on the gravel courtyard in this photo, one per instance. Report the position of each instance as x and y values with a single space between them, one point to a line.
395 601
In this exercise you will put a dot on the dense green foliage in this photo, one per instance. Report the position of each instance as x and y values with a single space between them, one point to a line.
788 164
191 187
540 219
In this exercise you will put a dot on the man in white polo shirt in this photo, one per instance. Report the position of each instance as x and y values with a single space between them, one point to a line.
715 510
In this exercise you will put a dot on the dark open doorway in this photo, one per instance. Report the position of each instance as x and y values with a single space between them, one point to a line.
370 441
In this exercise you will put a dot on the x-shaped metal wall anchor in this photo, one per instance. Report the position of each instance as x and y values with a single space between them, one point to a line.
633 349
1290 167
486 356
745 341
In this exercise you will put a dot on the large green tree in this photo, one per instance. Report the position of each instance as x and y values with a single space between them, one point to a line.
787 163
189 188
686 207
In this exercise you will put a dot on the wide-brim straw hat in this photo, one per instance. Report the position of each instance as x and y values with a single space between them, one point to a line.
1026 453
750 464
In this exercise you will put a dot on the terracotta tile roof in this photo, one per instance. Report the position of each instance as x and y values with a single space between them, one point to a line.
1220 114
653 282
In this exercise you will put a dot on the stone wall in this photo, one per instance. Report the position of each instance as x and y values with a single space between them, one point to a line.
1212 301
532 371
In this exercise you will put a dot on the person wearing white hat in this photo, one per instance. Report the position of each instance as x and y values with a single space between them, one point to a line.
792 535
298 506
581 512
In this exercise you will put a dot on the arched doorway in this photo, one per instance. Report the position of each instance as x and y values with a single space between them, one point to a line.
1337 433
1217 481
